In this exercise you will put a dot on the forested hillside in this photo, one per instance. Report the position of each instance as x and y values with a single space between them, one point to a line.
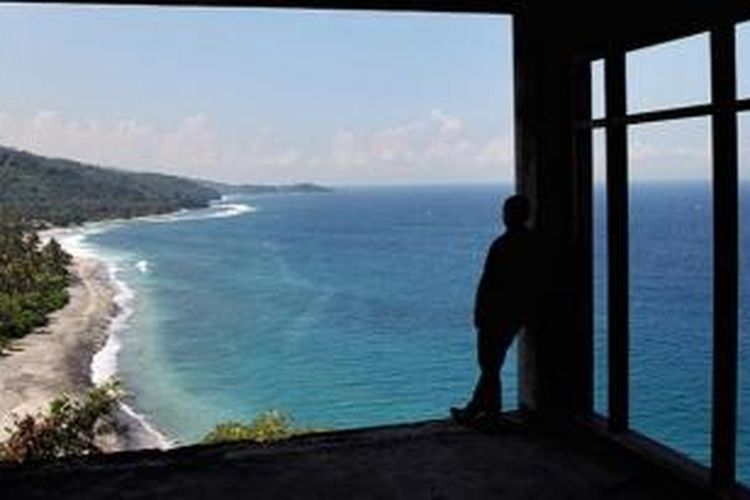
33 281
63 192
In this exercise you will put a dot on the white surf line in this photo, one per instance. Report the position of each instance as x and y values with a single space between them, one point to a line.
73 241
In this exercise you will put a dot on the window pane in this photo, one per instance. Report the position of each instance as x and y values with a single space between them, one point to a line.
597 89
671 283
743 462
600 273
743 60
669 75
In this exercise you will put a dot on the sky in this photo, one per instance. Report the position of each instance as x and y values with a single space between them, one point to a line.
271 96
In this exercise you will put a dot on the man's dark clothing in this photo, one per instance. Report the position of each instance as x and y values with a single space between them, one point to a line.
505 300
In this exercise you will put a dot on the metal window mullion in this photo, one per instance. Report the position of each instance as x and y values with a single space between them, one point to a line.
584 241
725 280
660 115
617 243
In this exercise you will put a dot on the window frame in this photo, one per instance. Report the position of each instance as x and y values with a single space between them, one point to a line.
723 110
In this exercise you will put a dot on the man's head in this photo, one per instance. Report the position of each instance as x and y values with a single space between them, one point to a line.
516 211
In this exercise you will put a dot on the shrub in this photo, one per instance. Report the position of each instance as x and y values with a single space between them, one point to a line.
69 427
269 426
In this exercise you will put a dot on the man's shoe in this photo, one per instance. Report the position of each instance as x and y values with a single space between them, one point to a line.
471 416
462 415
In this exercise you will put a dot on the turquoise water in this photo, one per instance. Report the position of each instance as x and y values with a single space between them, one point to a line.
354 308
344 309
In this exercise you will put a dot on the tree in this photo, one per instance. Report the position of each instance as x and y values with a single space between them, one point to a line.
271 425
33 280
69 427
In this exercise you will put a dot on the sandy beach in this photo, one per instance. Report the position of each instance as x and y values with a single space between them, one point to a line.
56 359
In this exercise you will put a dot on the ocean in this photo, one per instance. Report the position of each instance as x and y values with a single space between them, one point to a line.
354 308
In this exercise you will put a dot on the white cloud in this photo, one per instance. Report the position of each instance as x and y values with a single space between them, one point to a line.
498 151
436 146
670 150
449 125
191 147
126 143
349 150
650 160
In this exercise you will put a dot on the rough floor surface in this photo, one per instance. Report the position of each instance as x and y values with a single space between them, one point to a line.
431 460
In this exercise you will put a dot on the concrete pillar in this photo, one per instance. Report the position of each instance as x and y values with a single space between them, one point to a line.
555 354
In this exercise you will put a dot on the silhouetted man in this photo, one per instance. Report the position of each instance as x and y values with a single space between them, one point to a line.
505 300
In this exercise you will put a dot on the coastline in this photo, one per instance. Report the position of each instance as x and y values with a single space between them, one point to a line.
59 358
56 359
78 348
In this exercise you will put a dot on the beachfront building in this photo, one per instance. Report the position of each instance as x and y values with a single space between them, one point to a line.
582 454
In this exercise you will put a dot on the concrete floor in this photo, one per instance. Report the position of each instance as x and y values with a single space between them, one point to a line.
430 460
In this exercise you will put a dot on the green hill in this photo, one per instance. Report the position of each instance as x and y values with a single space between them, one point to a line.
62 192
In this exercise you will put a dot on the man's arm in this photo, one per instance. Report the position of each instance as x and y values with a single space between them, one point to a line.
486 294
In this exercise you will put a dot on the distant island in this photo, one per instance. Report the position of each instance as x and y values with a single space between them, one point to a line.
302 187
44 191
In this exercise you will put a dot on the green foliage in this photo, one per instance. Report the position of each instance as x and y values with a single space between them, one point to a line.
61 192
33 281
69 427
269 426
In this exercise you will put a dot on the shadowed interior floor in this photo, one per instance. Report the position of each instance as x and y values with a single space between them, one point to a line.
430 460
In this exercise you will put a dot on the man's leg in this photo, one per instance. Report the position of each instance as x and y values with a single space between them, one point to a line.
485 400
491 352
486 395
504 343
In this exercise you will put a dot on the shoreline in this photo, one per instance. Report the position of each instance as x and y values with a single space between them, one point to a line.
56 358
78 348
59 358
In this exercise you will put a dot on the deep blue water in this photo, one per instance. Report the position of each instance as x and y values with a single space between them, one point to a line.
354 308
345 309
671 315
